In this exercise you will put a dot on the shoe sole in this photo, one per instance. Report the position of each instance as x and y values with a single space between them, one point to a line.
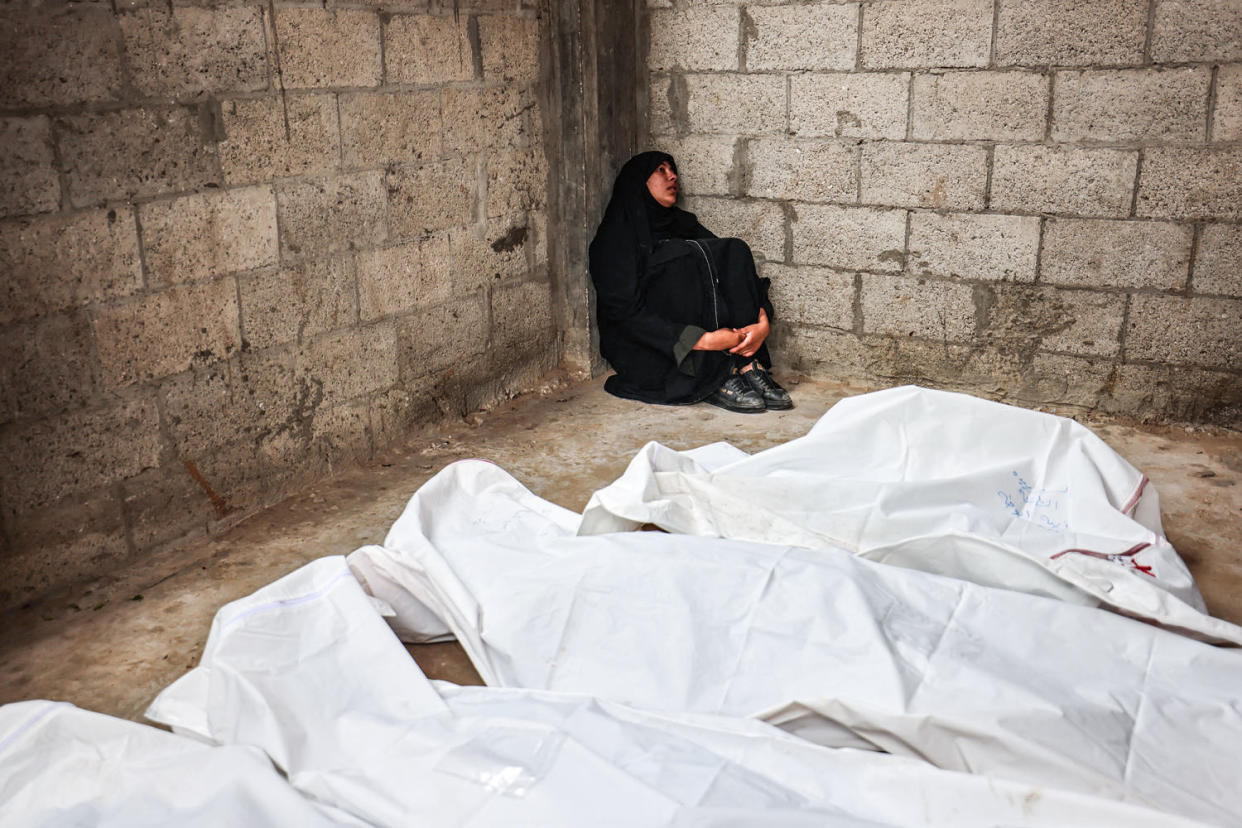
734 409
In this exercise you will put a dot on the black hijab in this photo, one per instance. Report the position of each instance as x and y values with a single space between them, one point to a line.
633 220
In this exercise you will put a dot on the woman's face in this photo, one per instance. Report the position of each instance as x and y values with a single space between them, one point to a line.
663 185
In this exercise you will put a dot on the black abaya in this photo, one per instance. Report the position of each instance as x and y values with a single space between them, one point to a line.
661 281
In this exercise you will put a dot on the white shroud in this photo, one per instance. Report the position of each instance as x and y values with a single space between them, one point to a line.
306 670
940 482
835 648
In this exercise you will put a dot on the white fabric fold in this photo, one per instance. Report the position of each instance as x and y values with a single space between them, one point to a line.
61 766
830 646
371 739
940 482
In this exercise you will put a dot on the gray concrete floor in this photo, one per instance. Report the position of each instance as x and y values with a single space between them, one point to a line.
111 645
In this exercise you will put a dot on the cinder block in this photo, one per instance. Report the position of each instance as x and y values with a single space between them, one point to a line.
1197 30
828 354
1005 371
1026 318
517 180
534 114
802 170
1092 253
298 302
424 49
1060 379
62 262
973 106
28 180
200 236
1070 32
1218 267
510 48
965 246
731 104
1131 105
661 119
243 478
492 253
166 504
323 215
321 48
695 38
704 163
395 280
55 57
1191 183
185 51
925 33
470 384
506 381
864 105
527 374
421 338
1227 119
488 118
412 214
246 397
897 360
48 366
823 36
341 435
256 146
897 306
167 332
135 153
58 458
350 362
1176 393
1011 374
811 295
1185 331
1086 182
336 434
528 7
940 176
521 320
538 238
64 544
761 224
397 413
865 238
380 128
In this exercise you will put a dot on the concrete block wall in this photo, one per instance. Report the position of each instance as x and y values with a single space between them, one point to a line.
1035 200
243 243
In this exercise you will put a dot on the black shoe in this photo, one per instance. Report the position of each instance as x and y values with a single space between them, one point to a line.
769 391
736 395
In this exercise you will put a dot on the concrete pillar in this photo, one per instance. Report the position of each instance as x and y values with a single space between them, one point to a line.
593 87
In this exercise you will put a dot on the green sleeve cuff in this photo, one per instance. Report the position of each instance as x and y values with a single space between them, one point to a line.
685 348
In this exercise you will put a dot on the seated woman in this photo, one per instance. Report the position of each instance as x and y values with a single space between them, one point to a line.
682 315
